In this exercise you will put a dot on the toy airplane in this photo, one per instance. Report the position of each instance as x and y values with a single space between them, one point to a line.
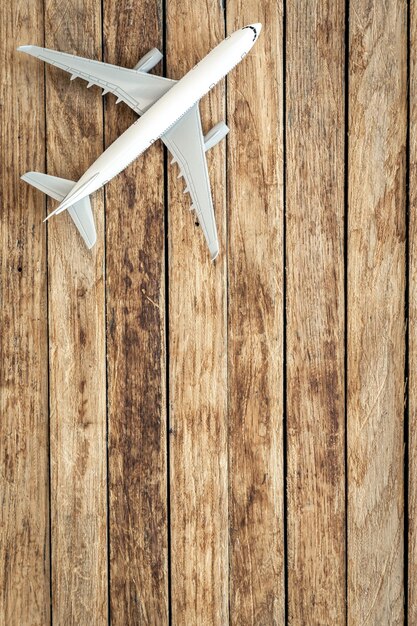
169 111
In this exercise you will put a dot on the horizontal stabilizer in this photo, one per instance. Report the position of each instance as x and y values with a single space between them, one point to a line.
56 188
59 188
82 217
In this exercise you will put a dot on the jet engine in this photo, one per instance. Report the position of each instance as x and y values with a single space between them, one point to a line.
216 134
149 60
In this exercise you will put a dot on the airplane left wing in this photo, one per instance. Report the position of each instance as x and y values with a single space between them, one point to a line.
137 89
185 141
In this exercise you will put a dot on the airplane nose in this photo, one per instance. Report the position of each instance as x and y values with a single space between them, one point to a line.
254 29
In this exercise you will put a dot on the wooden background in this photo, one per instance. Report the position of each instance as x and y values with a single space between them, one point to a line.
194 443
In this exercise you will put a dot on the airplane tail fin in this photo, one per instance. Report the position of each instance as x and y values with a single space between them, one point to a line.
59 188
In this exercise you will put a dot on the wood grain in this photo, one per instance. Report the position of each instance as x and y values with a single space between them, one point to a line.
197 349
376 276
24 491
136 346
315 312
255 321
201 530
77 335
412 321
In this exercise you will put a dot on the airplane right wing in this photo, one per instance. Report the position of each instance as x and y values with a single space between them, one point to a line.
137 89
185 141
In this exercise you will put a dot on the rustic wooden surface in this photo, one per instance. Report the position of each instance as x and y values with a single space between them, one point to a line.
197 356
255 323
77 354
376 288
187 442
24 448
135 279
315 312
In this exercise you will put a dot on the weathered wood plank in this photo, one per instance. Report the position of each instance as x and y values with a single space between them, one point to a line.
197 344
24 489
77 341
255 335
412 317
376 276
315 312
136 350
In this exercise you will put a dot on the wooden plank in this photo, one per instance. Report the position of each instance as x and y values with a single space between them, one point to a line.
376 276
77 341
197 348
136 346
315 312
24 490
412 317
255 335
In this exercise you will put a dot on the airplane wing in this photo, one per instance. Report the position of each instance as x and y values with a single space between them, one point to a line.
185 141
137 89
59 188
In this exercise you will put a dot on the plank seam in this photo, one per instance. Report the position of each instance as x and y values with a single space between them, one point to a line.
226 240
105 343
406 310
47 330
284 312
345 283
166 334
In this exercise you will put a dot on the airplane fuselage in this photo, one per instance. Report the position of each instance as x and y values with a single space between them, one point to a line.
162 115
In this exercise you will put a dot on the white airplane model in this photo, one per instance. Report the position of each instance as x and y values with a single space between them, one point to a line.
169 111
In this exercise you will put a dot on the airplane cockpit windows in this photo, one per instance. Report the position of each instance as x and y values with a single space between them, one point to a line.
254 31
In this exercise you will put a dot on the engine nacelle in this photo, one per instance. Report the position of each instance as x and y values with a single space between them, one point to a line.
149 60
216 134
